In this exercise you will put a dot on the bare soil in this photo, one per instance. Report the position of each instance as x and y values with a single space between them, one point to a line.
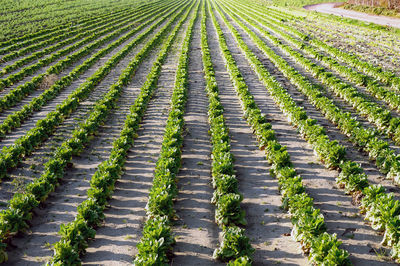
195 230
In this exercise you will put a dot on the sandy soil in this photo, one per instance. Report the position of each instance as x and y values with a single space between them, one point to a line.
330 8
196 231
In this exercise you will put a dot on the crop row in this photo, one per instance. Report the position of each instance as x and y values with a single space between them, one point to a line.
375 114
20 49
308 223
378 149
10 156
40 35
387 77
353 60
380 44
329 152
29 70
381 208
75 235
16 118
19 93
19 211
80 33
335 28
389 96
14 26
157 239
24 6
235 246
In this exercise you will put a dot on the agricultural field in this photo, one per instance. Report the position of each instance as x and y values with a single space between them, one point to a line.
196 132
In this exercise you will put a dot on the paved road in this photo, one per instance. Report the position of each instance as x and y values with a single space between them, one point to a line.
330 8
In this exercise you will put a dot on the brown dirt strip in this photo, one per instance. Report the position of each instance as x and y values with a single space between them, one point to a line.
196 231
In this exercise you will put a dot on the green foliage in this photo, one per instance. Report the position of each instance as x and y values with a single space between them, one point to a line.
90 212
241 261
40 19
226 195
381 209
366 138
234 246
325 251
308 223
156 243
34 137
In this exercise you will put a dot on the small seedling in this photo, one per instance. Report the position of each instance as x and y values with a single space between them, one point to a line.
127 237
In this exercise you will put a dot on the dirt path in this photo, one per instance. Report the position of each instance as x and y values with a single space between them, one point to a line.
115 242
340 214
196 231
267 223
331 8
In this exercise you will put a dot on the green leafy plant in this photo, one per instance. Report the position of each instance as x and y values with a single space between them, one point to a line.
234 245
